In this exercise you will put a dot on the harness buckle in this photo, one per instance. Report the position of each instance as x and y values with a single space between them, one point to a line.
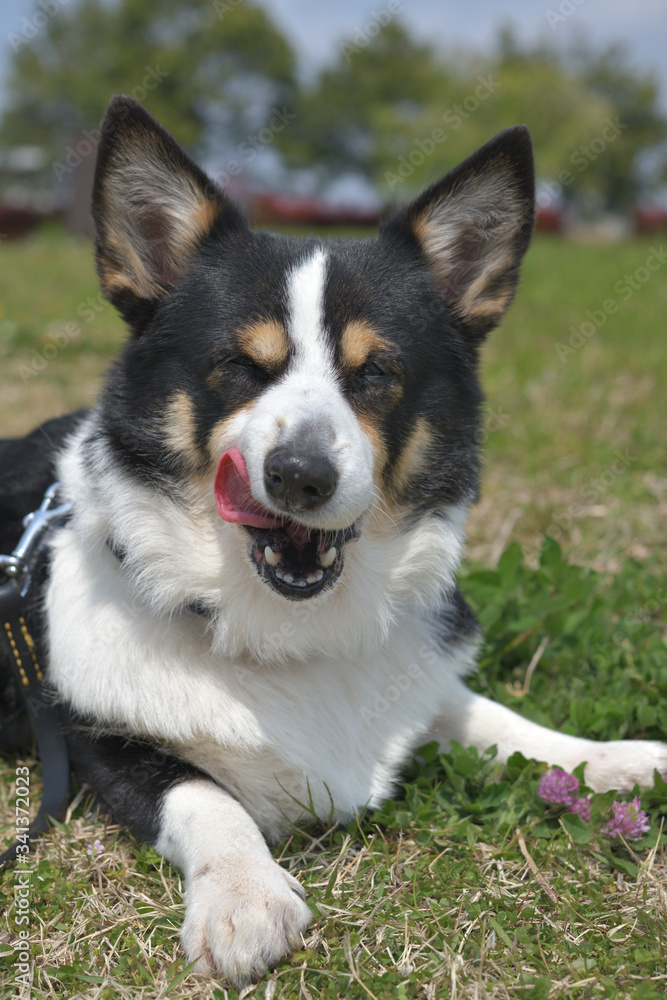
18 565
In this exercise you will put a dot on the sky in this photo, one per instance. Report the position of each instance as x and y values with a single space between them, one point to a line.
317 30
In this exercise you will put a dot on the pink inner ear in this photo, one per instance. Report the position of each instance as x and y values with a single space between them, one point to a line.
233 495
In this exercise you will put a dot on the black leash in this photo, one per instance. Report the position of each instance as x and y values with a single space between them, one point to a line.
26 658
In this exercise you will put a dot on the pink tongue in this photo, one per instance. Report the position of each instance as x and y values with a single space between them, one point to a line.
233 496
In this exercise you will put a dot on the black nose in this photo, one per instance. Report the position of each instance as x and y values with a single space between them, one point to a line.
299 481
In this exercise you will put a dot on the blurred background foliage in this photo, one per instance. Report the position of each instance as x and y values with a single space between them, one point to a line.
224 66
383 101
214 71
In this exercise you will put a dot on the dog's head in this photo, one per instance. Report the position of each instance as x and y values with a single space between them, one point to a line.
309 388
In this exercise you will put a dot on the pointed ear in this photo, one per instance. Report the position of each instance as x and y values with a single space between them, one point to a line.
152 206
474 226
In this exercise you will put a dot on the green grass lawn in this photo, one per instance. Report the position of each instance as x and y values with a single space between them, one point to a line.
467 885
577 436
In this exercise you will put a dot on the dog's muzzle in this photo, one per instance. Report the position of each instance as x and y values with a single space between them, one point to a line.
296 559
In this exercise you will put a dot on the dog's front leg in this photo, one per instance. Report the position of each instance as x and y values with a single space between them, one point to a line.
243 911
473 720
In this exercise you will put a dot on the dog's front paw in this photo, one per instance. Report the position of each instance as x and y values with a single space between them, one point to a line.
242 918
622 764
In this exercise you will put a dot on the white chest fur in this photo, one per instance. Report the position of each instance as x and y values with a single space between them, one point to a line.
324 733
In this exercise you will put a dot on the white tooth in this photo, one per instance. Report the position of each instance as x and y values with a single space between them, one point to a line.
300 583
326 558
280 574
288 578
272 558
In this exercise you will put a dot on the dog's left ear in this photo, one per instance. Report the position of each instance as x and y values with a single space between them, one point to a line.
474 226
152 207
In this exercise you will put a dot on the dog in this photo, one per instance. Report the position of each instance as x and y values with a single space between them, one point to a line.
268 509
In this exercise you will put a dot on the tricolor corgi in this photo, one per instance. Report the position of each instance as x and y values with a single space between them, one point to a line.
252 614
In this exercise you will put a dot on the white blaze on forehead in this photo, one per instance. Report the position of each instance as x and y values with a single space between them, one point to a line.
307 401
305 301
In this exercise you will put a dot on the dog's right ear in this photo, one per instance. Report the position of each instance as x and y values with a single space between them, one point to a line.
152 206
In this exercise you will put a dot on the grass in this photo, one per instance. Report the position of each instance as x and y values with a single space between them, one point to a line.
466 885
576 441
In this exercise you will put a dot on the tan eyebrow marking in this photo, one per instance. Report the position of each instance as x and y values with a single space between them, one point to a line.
265 342
358 340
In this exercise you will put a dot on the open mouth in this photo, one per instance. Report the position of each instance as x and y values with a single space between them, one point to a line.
298 561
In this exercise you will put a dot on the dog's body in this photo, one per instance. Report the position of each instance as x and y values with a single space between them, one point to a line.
252 615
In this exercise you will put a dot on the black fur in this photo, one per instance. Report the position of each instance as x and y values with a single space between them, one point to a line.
27 471
129 776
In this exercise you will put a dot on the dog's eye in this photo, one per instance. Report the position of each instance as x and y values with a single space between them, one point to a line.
242 362
375 381
247 366
370 370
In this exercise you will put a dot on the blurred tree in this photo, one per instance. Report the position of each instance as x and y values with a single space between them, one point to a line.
592 115
353 115
207 70
402 115
634 96
391 108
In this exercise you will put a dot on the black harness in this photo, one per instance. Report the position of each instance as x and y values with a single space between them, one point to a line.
26 656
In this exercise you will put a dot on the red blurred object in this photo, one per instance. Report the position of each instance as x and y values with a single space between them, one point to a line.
305 210
548 220
17 221
650 219
294 209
